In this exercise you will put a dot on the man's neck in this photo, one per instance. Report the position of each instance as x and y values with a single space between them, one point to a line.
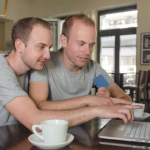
15 62
68 64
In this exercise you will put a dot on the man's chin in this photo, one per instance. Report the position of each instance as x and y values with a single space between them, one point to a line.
37 68
81 65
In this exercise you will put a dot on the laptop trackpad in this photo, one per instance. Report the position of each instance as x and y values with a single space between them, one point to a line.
114 128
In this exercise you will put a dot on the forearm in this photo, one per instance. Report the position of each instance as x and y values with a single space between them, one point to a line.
74 117
126 97
82 115
26 112
117 92
73 103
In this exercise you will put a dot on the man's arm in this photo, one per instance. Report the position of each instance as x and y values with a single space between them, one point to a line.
117 92
113 90
38 92
25 111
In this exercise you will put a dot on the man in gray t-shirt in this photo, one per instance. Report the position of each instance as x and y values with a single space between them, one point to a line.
70 73
9 89
64 84
27 40
31 41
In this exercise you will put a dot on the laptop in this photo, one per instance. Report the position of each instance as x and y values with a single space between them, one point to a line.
124 144
133 132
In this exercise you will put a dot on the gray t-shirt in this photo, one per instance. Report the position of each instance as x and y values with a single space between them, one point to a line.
64 84
10 88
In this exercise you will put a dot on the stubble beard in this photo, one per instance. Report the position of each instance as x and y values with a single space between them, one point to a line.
29 62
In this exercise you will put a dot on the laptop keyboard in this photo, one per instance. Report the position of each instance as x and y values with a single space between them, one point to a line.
139 130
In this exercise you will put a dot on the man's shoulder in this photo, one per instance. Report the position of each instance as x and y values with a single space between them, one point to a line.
3 64
4 67
3 60
92 66
92 63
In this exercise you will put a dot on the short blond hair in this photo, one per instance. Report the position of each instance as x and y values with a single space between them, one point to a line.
70 20
22 29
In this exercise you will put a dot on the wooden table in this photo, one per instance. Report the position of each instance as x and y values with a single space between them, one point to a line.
15 137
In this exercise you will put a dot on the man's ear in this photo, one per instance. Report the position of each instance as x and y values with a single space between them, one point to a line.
19 45
63 40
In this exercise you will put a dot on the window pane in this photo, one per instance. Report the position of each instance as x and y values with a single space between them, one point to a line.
118 20
107 53
128 58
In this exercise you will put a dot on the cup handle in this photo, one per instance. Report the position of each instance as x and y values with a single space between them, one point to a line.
35 132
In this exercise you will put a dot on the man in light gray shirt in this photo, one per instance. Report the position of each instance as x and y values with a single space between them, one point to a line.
70 71
68 75
31 41
64 84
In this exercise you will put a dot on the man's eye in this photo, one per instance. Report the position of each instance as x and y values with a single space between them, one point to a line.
41 47
91 46
81 44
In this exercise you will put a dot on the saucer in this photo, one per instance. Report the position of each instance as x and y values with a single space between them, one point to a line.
40 143
145 116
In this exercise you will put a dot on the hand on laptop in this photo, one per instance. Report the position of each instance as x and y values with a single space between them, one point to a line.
124 112
102 91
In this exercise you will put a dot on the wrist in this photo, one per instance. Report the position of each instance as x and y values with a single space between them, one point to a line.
89 100
96 111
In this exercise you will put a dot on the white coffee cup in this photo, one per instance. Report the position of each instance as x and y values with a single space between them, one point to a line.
138 112
53 131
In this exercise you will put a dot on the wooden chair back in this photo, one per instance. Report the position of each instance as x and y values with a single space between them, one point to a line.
142 79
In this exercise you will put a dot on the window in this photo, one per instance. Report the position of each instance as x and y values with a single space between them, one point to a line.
120 20
117 40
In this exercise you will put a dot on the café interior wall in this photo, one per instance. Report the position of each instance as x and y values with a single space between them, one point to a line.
51 8
143 26
54 8
16 9
2 35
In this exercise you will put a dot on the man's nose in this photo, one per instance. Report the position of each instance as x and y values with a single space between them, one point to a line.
47 54
87 50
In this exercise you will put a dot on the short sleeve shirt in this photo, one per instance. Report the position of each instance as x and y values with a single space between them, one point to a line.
10 88
64 84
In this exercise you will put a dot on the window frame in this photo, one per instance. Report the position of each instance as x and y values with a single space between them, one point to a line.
114 32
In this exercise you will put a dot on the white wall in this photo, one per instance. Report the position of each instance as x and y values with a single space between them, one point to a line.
2 35
17 9
50 8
